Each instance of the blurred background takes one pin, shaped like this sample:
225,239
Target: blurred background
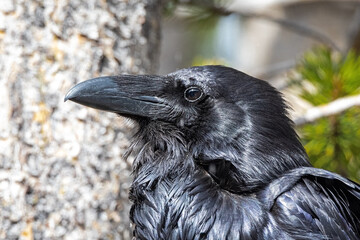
62,172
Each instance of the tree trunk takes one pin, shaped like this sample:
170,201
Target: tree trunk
62,175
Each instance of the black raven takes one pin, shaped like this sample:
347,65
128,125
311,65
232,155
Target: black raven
218,158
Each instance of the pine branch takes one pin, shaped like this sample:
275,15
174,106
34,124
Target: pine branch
332,108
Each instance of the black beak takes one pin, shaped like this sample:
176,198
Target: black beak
126,95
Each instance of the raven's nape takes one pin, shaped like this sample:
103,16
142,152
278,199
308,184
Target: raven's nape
122,95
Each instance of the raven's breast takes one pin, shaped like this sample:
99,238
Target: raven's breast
193,206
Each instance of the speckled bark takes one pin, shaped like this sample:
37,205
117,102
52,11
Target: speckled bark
62,175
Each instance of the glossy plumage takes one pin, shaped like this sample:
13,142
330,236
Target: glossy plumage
227,165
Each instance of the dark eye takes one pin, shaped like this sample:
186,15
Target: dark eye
192,94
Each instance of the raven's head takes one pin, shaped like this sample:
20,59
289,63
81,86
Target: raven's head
231,124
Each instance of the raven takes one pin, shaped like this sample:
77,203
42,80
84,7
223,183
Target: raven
218,158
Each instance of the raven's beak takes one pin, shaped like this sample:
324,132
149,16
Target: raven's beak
126,95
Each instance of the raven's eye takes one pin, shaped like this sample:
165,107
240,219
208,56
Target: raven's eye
192,94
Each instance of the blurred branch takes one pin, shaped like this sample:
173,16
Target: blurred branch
301,29
295,27
335,107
